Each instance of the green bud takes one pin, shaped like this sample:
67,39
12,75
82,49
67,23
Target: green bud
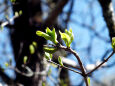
20,12
32,49
65,38
25,59
34,44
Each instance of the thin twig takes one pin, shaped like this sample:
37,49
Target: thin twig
64,67
79,61
77,57
101,63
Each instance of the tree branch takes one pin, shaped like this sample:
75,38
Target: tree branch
79,61
55,12
5,78
108,14
101,63
64,67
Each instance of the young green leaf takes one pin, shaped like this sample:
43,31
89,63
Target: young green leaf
50,49
46,36
70,34
32,49
6,64
48,31
60,61
52,34
89,81
113,43
49,35
25,59
48,56
65,37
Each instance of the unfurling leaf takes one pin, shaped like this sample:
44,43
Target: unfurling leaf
50,49
67,37
60,61
48,31
113,43
46,36
25,59
49,35
52,34
70,35
48,56
32,49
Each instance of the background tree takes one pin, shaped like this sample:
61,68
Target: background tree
34,17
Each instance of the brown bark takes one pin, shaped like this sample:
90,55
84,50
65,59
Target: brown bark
24,33
108,14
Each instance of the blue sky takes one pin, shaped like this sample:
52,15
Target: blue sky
84,37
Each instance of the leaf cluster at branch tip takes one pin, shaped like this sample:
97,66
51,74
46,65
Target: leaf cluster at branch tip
113,43
49,35
67,37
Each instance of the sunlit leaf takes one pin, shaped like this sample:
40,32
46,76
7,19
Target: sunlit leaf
113,43
48,56
89,81
50,49
52,34
49,35
46,36
60,61
48,31
65,38
70,34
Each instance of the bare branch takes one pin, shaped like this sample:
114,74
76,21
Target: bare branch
109,16
55,12
64,67
101,63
